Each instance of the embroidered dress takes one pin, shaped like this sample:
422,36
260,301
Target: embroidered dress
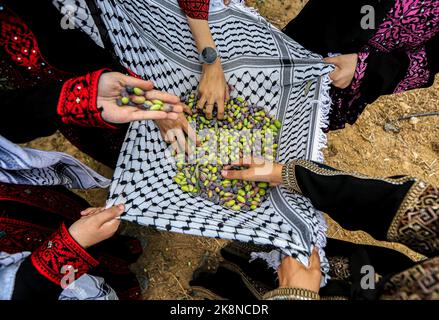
41,66
403,210
399,53
53,94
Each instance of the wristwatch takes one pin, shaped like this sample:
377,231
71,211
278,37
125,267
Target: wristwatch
209,55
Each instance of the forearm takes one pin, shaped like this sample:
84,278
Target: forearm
201,33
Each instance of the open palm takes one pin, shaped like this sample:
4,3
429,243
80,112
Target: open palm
110,86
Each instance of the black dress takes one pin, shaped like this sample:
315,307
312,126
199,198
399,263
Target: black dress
397,209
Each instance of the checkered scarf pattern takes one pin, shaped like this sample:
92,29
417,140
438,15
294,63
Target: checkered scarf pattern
152,39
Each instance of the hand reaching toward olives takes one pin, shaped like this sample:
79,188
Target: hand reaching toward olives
255,169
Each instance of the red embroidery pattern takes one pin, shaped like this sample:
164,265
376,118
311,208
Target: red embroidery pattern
20,44
21,236
44,198
196,9
77,101
61,250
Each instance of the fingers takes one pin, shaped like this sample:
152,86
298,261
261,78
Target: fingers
177,139
209,108
192,135
246,174
163,96
109,214
332,60
201,102
112,225
174,133
89,211
248,161
209,104
179,108
220,106
337,78
227,93
186,109
181,140
172,140
140,83
164,135
335,61
190,132
314,261
236,163
138,115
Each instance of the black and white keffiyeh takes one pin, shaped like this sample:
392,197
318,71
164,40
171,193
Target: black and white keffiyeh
152,38
45,168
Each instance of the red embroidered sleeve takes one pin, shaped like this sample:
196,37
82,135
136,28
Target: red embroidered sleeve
77,102
196,9
59,254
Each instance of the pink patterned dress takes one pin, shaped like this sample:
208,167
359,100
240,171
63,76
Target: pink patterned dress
400,54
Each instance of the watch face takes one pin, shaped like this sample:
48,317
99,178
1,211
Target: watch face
209,55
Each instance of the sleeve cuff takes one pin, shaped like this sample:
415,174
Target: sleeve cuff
59,252
77,104
195,9
360,70
291,294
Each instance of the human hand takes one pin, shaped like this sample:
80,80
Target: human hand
176,131
257,169
213,90
293,274
345,66
96,225
110,86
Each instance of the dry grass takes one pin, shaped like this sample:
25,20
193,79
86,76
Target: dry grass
170,259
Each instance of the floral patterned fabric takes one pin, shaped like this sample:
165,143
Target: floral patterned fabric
407,27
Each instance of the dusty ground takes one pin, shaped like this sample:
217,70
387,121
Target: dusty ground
365,147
